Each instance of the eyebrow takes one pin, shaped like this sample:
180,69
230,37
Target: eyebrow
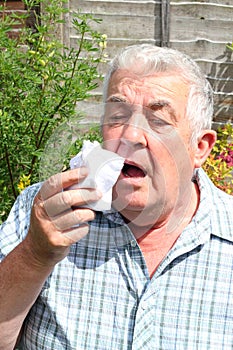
162,104
116,99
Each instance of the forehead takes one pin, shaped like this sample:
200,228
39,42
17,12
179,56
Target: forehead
145,90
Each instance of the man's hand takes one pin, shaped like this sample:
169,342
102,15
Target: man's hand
56,223
57,220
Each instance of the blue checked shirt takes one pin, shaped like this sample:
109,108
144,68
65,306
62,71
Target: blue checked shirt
101,297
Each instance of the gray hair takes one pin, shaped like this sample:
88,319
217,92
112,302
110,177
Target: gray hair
153,59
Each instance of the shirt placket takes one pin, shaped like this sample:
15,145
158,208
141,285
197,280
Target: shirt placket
150,318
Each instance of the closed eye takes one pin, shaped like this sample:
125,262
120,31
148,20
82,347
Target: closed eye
116,119
159,125
117,113
157,121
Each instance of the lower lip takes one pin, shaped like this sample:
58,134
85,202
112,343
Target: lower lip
131,180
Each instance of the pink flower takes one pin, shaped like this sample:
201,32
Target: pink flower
227,156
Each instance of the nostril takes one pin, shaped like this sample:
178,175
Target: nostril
135,143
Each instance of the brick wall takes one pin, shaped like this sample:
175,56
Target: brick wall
13,7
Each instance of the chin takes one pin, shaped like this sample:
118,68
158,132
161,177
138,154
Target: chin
139,220
139,211
130,202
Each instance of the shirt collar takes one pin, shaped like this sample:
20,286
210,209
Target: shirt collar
212,217
217,205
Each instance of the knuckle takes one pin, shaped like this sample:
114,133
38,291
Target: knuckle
52,181
92,214
51,186
58,225
66,199
84,215
38,208
78,215
89,195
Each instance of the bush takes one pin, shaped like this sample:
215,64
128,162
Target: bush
65,143
40,83
219,165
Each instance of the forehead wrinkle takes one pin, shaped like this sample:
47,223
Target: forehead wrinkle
130,90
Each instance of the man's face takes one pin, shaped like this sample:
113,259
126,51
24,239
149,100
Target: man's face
145,123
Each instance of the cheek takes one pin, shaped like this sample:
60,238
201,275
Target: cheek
111,138
172,163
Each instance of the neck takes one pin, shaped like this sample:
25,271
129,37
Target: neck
172,225
156,241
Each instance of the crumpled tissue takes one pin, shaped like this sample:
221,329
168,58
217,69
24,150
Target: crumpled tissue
104,168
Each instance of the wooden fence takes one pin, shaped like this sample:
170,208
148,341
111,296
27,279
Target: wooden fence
199,28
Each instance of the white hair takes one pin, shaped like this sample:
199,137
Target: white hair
147,59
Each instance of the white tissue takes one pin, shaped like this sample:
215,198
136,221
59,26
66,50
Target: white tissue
104,168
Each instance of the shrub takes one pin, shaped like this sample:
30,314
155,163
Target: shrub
41,81
219,165
65,143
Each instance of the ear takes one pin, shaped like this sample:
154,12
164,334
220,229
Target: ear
205,144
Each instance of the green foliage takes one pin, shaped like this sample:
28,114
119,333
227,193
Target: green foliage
40,84
230,46
219,165
93,134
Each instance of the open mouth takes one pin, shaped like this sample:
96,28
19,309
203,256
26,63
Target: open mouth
133,170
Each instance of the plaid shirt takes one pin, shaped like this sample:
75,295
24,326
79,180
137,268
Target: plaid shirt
101,297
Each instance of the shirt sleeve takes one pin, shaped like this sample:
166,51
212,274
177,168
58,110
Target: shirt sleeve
15,228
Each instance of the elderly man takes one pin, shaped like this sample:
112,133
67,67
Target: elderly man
155,272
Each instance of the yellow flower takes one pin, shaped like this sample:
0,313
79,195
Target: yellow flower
103,43
20,186
52,54
24,181
42,62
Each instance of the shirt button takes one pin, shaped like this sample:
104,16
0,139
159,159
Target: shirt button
133,243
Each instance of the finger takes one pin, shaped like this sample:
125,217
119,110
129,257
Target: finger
64,201
59,182
77,233
72,218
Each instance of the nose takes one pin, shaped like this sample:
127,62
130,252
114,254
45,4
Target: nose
134,132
